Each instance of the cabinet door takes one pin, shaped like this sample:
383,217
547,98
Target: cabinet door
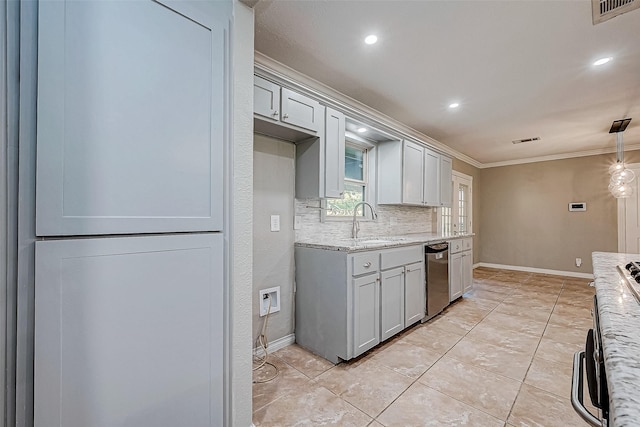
131,122
300,110
128,331
467,271
334,153
366,313
391,302
266,98
431,178
455,276
446,185
413,167
414,288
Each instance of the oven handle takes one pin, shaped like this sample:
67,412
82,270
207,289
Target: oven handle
577,389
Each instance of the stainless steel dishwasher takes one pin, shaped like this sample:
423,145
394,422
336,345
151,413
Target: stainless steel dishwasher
437,278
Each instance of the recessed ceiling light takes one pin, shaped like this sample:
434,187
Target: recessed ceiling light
602,61
454,105
362,130
371,39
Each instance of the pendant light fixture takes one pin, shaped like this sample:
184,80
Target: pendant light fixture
621,177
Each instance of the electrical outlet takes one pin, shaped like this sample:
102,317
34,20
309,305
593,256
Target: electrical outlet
297,222
269,300
578,262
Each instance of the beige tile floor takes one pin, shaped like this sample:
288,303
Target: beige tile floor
500,356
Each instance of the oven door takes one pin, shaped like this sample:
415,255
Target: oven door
588,362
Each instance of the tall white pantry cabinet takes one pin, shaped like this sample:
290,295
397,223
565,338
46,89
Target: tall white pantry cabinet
132,123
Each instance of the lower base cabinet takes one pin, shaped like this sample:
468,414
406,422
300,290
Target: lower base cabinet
460,268
366,319
346,303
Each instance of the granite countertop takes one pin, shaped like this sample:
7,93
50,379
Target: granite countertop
377,242
620,326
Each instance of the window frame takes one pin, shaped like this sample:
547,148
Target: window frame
458,178
369,180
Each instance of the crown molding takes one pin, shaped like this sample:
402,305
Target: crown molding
557,157
351,107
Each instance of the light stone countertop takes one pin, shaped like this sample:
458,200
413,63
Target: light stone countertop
377,242
620,326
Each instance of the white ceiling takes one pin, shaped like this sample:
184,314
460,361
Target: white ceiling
519,69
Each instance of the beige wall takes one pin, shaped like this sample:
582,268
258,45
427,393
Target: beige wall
467,169
273,189
524,214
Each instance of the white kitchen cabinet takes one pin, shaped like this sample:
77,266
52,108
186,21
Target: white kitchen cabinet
320,160
131,117
431,178
348,303
334,146
414,291
412,174
279,104
366,313
392,302
266,99
455,276
445,180
460,267
467,271
128,331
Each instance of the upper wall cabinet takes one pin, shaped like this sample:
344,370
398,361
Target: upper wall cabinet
277,104
320,161
411,174
131,100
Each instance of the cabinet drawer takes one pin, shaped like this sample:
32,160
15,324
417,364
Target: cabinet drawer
456,246
467,244
367,262
401,256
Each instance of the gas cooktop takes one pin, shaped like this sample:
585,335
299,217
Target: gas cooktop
631,274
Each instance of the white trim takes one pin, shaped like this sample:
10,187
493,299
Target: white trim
535,270
556,157
276,345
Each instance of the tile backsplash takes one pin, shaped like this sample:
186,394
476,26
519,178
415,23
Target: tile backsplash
405,219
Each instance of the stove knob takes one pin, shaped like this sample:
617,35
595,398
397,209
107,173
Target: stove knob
637,279
628,266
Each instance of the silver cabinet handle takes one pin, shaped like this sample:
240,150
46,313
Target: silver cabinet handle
275,113
576,391
366,264
285,116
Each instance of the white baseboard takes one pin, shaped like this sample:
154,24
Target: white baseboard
535,270
276,345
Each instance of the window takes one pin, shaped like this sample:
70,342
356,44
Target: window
355,182
457,218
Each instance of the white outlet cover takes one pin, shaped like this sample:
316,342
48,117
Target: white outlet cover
264,302
297,222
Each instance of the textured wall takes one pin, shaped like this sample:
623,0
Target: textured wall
273,190
238,226
525,220
408,219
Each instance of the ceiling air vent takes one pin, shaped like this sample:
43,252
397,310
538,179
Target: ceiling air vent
603,10
520,141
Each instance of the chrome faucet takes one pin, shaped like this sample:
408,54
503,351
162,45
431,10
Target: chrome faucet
355,227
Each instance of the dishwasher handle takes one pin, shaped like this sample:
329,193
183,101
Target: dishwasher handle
436,248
